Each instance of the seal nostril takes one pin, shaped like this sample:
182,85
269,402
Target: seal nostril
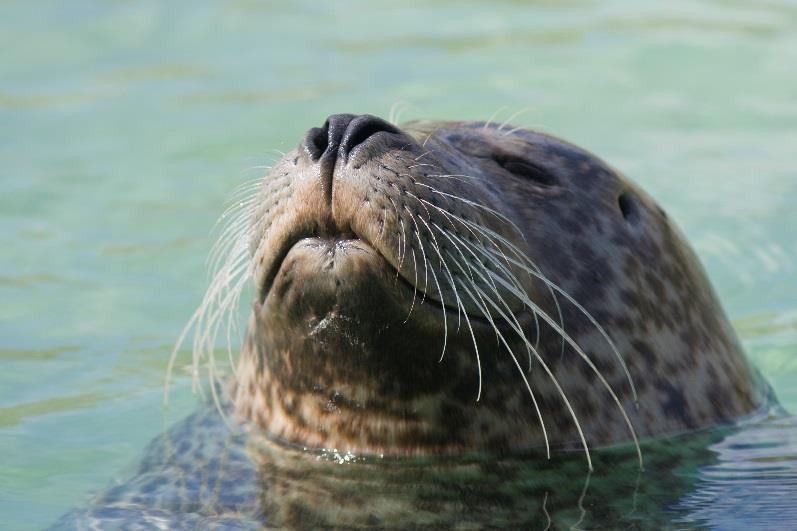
320,142
361,129
363,133
317,142
325,139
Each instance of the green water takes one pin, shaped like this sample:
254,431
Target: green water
124,125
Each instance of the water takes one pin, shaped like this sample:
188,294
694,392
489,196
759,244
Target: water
124,125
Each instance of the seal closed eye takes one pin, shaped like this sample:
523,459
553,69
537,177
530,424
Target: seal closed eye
442,288
527,170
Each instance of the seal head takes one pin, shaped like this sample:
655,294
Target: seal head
451,287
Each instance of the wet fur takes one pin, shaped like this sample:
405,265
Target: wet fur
557,307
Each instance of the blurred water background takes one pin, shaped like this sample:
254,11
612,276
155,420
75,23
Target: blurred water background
125,125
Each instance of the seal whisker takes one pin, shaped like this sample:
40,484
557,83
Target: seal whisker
259,168
397,109
461,311
591,319
232,322
238,232
419,157
391,115
482,229
247,195
491,235
415,267
383,227
448,215
451,236
445,315
494,116
474,204
226,285
214,392
485,311
236,229
224,298
510,276
586,359
514,130
443,262
561,331
475,348
465,260
205,318
512,320
488,280
496,261
483,307
472,227
453,177
251,184
416,232
553,379
234,213
468,225
435,246
423,254
429,136
402,243
517,365
581,502
545,512
462,177
515,115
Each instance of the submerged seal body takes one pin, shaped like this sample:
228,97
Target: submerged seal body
442,290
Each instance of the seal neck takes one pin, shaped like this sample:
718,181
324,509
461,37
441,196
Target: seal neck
343,417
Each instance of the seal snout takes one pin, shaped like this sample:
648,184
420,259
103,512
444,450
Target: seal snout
338,138
340,134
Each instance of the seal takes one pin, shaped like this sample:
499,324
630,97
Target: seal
443,288
438,305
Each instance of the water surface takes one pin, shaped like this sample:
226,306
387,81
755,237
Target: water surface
124,125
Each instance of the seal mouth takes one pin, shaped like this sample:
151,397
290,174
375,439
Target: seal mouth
292,241
349,241
334,241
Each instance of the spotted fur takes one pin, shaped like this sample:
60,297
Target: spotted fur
373,380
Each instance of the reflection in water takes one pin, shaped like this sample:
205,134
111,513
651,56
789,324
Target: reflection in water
200,473
753,483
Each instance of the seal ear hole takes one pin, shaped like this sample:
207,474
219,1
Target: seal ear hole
628,207
526,170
